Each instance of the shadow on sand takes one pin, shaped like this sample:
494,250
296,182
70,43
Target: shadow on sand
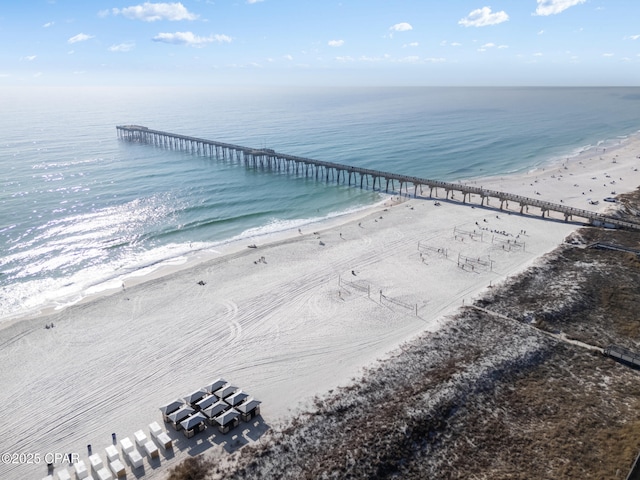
243,434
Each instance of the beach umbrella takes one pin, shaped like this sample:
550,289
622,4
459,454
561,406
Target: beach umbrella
171,407
236,398
224,392
249,405
227,417
195,396
216,409
192,421
206,402
181,414
215,385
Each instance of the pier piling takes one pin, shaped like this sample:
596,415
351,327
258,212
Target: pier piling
268,159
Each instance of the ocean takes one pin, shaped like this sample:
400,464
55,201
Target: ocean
81,210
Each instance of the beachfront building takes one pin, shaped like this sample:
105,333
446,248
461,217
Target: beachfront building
193,424
227,420
249,409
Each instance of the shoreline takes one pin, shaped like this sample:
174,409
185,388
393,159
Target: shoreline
309,318
184,261
511,183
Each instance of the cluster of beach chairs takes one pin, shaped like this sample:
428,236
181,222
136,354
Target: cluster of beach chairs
218,404
114,465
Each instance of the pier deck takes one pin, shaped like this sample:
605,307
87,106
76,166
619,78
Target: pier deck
330,171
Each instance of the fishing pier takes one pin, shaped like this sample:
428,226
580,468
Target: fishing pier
268,159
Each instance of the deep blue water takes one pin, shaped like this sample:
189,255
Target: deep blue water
78,207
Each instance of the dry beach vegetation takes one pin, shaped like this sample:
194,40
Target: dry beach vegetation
490,395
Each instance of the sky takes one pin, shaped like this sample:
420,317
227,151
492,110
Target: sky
321,42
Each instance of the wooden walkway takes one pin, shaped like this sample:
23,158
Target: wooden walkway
268,159
617,248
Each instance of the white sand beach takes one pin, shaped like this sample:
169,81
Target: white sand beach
297,316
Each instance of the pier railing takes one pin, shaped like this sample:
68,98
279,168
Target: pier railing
270,159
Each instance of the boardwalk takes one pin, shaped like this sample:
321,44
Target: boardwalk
268,159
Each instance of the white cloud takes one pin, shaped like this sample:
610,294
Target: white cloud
151,12
634,37
537,54
122,47
540,32
607,54
345,59
48,24
435,60
401,27
335,43
452,44
552,7
288,57
412,44
483,17
254,1
29,58
486,46
188,38
81,37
